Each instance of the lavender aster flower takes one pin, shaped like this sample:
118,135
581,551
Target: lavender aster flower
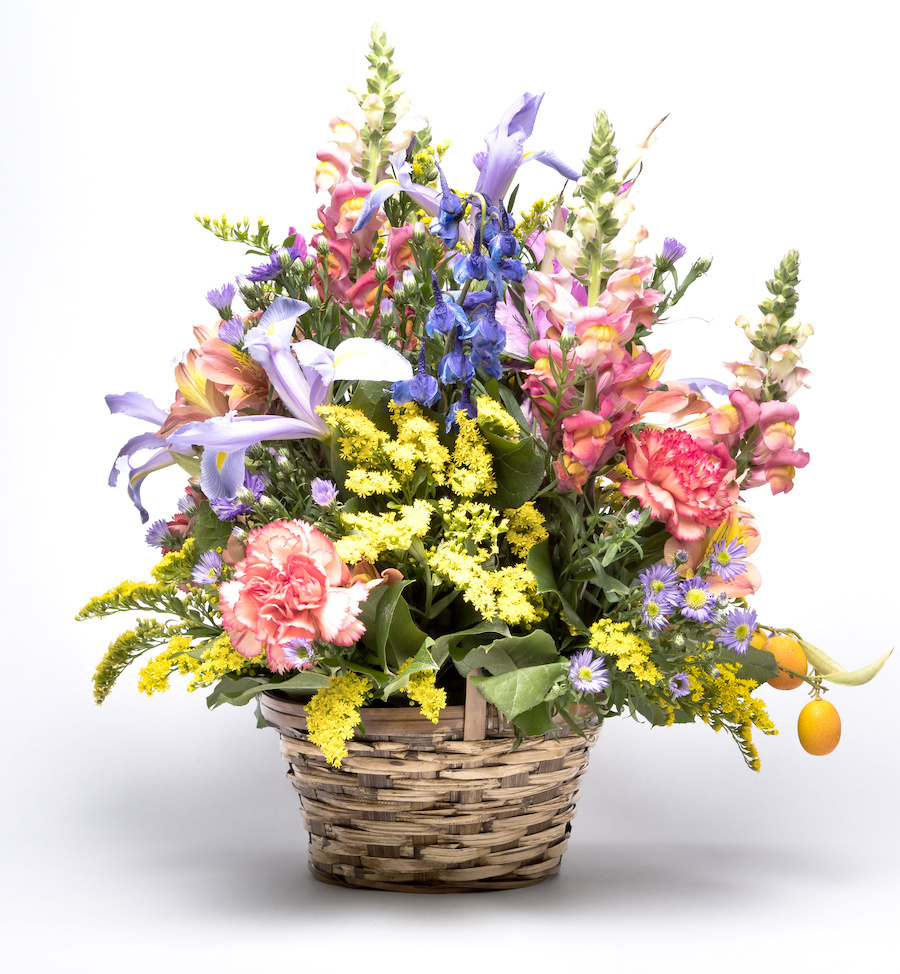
587,674
738,630
157,533
727,559
299,654
656,608
659,577
230,508
633,518
323,492
221,299
679,685
208,569
672,251
695,600
232,332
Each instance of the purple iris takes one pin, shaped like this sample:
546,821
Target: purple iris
505,149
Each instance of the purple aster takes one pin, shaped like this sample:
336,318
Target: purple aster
187,504
229,508
208,569
727,559
157,534
221,299
280,260
633,518
659,577
695,600
323,492
299,654
232,332
656,608
587,674
738,630
679,685
672,250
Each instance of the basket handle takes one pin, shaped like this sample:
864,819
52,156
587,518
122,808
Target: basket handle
475,712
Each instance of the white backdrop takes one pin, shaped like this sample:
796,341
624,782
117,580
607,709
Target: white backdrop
150,834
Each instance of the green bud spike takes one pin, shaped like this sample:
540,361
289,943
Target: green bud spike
783,286
600,164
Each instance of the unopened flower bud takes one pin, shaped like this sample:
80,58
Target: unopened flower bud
311,295
680,557
419,234
381,270
373,109
586,223
323,246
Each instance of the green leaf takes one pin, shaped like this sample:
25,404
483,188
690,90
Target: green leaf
537,721
758,665
518,469
209,532
390,631
423,660
509,653
466,639
835,673
189,464
239,691
515,692
540,565
371,399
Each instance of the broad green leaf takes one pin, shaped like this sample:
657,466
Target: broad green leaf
519,690
758,665
371,399
465,639
537,721
539,564
509,653
390,631
835,673
209,532
239,691
518,469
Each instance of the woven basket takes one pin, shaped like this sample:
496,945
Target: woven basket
434,808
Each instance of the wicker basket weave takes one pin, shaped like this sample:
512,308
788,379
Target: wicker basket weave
425,808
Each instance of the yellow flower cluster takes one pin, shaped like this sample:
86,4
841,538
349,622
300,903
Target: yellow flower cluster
127,595
176,566
333,712
422,691
217,659
507,593
724,699
630,652
378,533
526,528
472,471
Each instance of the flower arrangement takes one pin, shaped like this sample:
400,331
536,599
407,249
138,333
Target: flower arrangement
437,444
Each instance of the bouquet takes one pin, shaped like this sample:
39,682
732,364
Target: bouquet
435,442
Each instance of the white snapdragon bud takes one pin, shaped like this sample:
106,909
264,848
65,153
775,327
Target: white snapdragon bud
565,249
621,211
373,109
586,224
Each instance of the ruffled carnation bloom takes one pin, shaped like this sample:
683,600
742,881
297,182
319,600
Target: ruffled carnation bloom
291,585
686,482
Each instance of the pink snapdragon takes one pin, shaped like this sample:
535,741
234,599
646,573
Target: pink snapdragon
290,585
687,482
625,291
776,458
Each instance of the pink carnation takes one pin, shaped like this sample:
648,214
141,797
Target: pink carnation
687,482
290,585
